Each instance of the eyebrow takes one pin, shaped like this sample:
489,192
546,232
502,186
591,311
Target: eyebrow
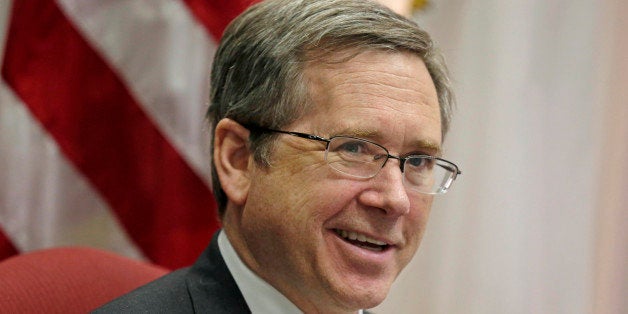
430,147
433,148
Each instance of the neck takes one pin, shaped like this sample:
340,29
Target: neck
302,298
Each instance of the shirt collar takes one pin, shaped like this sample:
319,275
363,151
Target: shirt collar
260,296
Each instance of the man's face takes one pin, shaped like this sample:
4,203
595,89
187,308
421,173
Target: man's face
299,208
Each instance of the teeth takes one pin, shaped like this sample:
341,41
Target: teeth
362,238
358,236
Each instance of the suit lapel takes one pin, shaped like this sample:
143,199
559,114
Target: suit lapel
211,286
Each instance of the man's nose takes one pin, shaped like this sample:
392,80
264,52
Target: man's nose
389,192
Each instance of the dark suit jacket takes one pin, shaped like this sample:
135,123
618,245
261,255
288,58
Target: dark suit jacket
206,287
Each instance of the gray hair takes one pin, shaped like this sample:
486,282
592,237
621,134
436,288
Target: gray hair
257,75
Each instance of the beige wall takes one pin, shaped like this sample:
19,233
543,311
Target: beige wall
611,270
403,7
538,221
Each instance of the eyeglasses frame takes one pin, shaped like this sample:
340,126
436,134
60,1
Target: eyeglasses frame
402,160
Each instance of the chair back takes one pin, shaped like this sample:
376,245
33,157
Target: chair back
69,280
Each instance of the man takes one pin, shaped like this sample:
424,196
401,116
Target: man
328,119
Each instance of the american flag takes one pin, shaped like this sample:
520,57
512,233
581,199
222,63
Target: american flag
103,140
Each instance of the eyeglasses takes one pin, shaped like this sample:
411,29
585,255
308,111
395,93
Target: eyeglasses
362,158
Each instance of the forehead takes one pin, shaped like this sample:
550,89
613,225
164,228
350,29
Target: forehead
375,94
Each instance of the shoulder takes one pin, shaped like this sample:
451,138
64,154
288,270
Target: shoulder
168,294
206,287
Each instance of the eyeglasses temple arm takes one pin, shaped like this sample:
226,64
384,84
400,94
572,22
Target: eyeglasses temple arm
256,128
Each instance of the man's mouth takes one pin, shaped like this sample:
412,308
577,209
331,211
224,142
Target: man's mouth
362,240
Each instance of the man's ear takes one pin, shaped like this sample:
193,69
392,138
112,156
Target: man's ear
231,157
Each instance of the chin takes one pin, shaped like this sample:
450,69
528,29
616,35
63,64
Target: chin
364,296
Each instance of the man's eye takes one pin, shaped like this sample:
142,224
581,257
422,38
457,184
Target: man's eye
418,162
353,147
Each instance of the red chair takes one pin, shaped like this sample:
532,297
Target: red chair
69,280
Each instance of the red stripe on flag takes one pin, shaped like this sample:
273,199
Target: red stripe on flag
165,207
7,249
215,15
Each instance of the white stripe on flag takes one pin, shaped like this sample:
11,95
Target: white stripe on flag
164,56
44,201
5,11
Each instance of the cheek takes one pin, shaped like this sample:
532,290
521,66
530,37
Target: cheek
292,201
312,187
416,223
424,207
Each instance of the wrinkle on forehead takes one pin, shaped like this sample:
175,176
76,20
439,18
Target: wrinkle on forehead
362,76
372,93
